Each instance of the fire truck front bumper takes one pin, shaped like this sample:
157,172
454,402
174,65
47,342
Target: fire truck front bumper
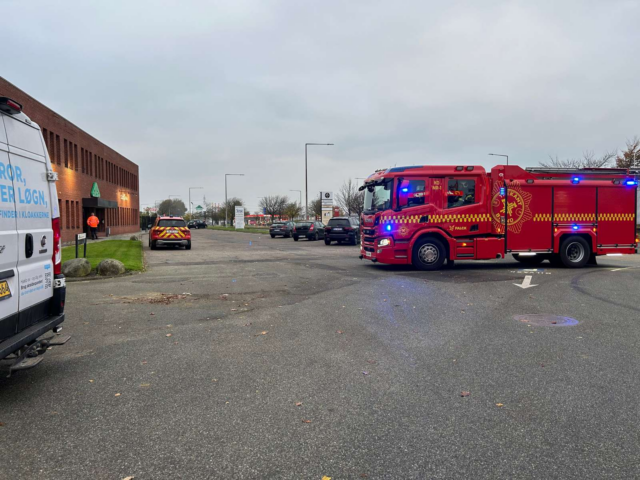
388,255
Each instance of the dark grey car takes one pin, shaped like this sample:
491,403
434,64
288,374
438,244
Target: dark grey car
281,228
342,229
308,230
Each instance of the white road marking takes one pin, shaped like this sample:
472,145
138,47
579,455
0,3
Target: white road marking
526,283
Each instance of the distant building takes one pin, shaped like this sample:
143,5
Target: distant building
91,176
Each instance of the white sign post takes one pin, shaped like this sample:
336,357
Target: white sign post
239,218
327,206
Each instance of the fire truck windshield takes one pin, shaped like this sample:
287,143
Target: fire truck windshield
378,197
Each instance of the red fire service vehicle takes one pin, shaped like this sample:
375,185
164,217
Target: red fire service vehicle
424,215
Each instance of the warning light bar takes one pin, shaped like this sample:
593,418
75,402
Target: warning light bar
10,106
631,183
575,180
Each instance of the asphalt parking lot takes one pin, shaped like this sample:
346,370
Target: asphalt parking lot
251,357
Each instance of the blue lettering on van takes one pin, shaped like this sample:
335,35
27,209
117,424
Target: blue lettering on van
32,197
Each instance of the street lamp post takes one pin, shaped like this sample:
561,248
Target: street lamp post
500,155
191,209
306,179
226,207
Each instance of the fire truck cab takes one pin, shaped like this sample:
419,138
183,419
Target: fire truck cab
424,215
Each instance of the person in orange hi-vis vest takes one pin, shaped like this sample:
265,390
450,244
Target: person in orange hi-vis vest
93,223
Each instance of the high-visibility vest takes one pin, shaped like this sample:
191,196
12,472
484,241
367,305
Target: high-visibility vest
93,221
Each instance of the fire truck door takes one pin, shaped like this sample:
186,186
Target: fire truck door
616,216
528,211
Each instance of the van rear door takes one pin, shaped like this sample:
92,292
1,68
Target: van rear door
9,291
33,219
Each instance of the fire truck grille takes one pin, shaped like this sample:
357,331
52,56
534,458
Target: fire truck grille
369,239
368,231
369,249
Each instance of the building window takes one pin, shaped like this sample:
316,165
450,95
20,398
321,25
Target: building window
52,146
66,207
75,156
60,211
77,214
66,154
58,149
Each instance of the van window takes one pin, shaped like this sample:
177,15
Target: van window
460,192
23,136
172,222
412,193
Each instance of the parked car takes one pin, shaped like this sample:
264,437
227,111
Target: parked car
342,229
197,224
308,230
170,231
281,228
32,286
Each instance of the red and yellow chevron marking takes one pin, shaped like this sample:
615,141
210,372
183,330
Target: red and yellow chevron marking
163,232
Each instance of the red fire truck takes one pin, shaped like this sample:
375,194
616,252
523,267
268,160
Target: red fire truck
424,215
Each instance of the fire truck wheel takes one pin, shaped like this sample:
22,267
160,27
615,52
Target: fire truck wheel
152,245
529,260
575,252
428,254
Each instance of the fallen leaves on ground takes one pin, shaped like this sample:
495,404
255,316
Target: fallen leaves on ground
465,394
145,384
499,404
117,395
1,424
306,421
326,478
339,331
90,381
298,404
365,373
169,334
234,309
128,478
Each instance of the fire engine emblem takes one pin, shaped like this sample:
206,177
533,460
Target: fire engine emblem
516,206
404,231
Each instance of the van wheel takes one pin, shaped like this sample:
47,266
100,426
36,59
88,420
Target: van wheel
575,252
152,245
529,260
428,254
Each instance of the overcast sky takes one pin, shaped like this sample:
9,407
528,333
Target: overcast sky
190,90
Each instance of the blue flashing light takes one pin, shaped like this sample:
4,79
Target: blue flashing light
575,227
503,191
631,183
575,180
405,190
388,227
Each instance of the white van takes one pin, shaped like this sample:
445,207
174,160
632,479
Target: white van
32,287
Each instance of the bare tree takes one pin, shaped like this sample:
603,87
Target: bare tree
274,205
588,160
630,158
349,199
315,207
292,210
228,209
172,206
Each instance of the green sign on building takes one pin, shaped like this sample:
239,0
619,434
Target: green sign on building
95,191
199,208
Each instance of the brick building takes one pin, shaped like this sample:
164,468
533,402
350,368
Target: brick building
82,161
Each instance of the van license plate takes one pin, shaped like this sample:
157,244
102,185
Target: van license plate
5,292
